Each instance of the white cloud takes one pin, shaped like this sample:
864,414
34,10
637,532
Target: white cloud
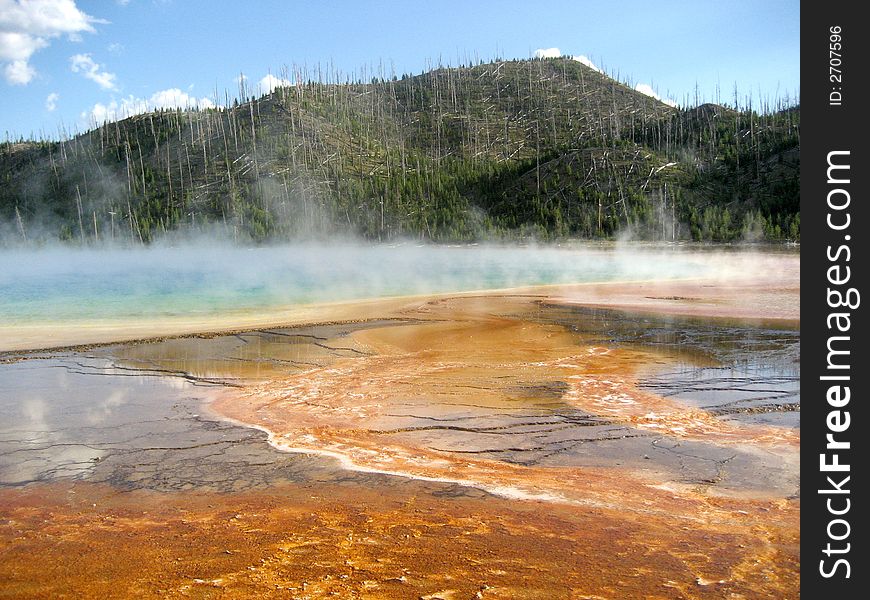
585,61
44,17
51,101
18,72
19,46
127,107
548,53
175,98
270,82
645,88
102,113
27,26
84,64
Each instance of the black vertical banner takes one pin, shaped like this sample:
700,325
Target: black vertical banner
835,422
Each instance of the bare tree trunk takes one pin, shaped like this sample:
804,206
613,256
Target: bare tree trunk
79,207
20,224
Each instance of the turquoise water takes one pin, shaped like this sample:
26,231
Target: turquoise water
68,285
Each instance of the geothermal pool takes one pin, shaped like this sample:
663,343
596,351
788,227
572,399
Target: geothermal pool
629,430
64,285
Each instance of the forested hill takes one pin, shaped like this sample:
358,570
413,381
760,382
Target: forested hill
545,148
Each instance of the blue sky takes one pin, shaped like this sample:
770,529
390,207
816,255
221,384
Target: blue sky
64,63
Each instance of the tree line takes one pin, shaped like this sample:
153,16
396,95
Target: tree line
547,148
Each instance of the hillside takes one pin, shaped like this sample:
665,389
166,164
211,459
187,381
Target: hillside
544,148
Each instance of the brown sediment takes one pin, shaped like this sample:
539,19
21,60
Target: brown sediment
350,542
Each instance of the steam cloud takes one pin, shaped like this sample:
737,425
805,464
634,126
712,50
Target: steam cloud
63,284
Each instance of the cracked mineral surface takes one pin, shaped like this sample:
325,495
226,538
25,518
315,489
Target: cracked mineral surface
512,445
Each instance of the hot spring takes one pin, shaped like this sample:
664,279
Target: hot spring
69,285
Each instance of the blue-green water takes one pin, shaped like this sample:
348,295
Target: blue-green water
67,285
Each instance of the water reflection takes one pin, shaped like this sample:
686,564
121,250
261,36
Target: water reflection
132,414
731,369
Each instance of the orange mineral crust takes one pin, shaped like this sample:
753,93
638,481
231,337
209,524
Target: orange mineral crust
346,541
465,388
434,400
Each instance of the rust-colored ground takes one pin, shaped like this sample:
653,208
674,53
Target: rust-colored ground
347,542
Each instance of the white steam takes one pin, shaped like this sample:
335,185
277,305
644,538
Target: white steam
62,284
